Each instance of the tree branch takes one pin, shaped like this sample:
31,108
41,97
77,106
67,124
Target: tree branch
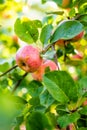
9,70
46,48
19,82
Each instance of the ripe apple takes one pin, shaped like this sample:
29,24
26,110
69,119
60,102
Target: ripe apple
40,72
78,37
78,56
28,58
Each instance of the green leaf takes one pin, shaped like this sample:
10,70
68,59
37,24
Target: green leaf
82,85
46,99
4,65
2,1
67,119
83,18
54,89
61,86
49,54
62,109
38,121
72,12
37,23
67,30
17,128
26,30
46,33
69,49
83,111
56,12
35,88
34,101
82,128
38,108
44,1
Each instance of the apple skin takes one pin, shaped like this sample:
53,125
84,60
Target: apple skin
40,72
78,56
28,58
78,37
60,42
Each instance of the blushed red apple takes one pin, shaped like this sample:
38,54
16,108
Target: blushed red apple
40,72
78,56
28,58
78,37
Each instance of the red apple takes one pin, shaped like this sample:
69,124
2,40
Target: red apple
78,56
28,58
78,37
40,72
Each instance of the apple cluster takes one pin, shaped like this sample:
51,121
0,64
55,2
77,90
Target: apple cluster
28,59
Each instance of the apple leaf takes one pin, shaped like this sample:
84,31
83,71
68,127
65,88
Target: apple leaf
82,85
67,119
46,33
4,65
67,30
82,128
37,23
26,30
38,121
83,111
61,86
35,88
46,99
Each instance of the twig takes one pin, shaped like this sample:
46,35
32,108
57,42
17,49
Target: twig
18,82
46,48
65,56
9,70
55,56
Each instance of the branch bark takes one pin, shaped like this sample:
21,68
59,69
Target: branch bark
9,70
19,82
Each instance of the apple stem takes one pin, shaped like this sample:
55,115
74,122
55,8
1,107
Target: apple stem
19,82
65,56
9,70
55,56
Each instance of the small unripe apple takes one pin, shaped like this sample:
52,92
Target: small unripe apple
28,58
78,37
38,75
64,3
